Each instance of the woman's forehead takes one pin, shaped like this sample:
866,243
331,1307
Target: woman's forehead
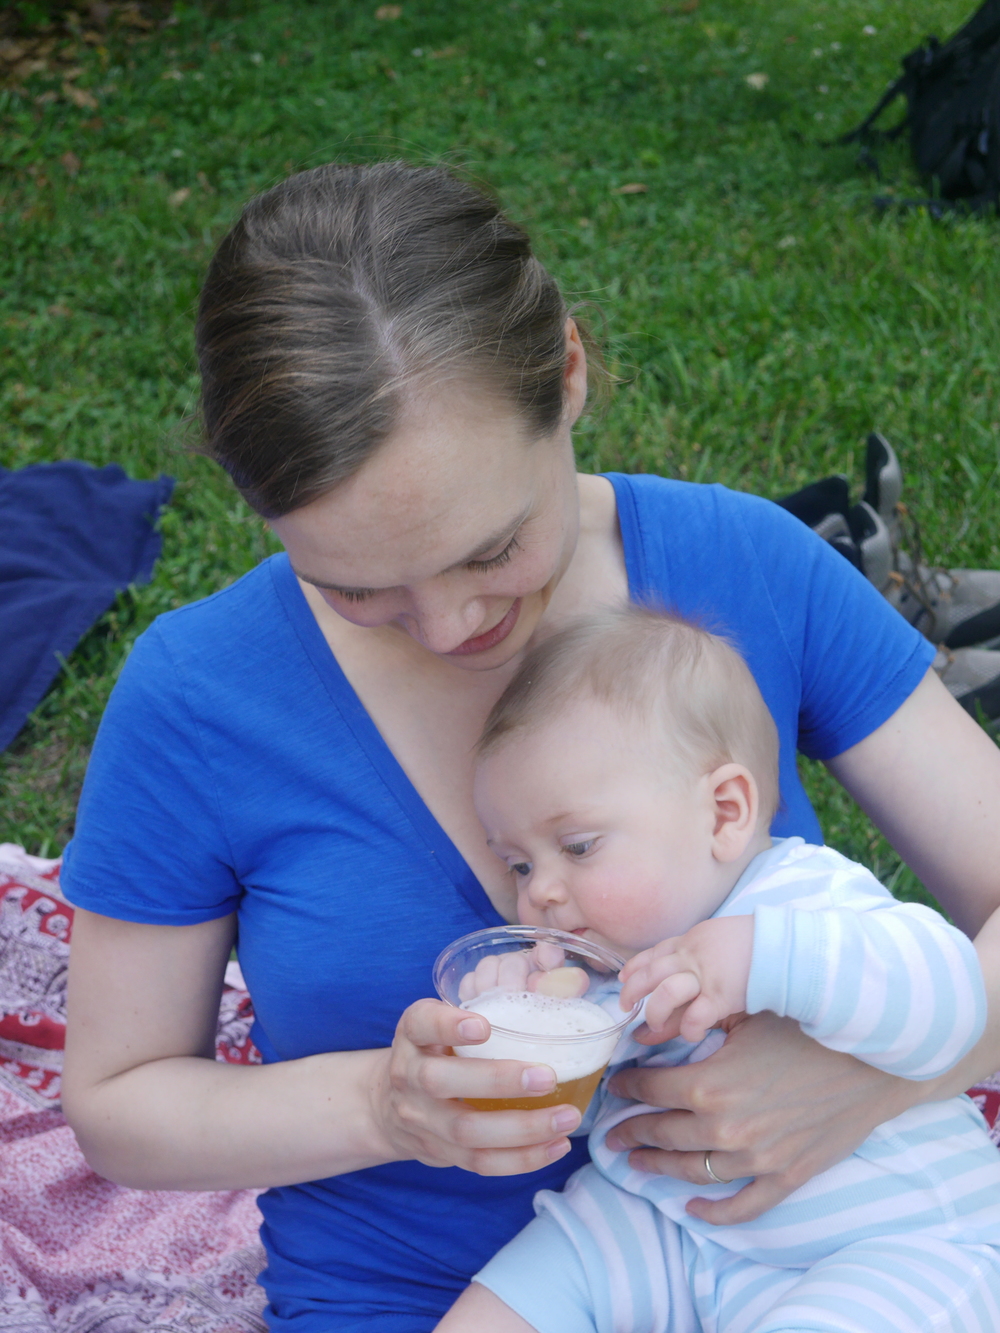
456,476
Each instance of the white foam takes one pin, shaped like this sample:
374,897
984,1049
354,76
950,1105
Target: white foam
538,1017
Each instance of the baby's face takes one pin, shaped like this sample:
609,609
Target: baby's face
601,839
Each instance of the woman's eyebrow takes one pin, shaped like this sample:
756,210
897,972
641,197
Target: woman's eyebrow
503,537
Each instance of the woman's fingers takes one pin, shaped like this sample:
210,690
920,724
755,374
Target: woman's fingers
672,1132
746,1204
423,1116
659,1087
446,1077
434,1024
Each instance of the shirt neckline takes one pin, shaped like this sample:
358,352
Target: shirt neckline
372,744
371,741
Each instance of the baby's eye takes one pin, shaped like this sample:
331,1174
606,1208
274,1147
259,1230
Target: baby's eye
579,848
521,868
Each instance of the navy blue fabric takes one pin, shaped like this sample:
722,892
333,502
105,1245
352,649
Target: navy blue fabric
236,770
71,537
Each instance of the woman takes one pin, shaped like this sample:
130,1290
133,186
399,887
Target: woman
391,379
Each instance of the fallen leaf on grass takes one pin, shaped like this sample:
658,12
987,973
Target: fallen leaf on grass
131,17
59,311
633,187
757,81
445,53
385,12
179,196
80,97
71,164
205,183
171,74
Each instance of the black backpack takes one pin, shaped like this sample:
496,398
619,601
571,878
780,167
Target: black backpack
952,93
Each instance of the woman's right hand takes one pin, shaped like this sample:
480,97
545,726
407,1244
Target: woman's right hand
416,1101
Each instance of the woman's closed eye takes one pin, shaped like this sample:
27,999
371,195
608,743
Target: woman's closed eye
495,561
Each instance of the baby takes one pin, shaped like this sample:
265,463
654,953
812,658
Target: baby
628,777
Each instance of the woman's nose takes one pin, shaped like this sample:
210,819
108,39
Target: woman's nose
443,617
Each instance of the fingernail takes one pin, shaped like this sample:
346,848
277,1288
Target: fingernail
472,1029
566,1119
614,1142
556,1150
539,1078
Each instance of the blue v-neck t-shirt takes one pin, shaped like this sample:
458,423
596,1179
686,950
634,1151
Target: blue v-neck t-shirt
236,771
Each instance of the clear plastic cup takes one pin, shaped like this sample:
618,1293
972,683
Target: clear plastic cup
550,999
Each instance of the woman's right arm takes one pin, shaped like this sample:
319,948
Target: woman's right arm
153,1109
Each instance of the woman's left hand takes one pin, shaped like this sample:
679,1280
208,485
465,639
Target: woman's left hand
771,1103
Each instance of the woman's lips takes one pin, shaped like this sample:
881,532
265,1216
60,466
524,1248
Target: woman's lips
492,636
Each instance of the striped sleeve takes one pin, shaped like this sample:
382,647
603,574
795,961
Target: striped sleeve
891,983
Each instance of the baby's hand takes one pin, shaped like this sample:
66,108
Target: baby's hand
706,970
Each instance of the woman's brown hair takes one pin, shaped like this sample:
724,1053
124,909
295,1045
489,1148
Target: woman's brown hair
341,287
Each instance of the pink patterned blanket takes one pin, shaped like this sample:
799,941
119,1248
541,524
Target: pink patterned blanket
77,1253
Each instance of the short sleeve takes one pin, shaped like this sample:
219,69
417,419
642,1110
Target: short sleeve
858,659
149,843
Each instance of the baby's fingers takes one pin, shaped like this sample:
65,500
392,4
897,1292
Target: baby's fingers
638,982
669,995
702,1014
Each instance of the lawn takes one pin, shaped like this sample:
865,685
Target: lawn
761,315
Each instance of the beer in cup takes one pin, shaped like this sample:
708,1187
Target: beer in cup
550,999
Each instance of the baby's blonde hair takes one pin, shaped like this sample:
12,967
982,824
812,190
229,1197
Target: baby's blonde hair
688,683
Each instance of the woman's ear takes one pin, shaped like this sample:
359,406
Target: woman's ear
737,807
575,374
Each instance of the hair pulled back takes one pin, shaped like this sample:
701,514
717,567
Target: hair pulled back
342,287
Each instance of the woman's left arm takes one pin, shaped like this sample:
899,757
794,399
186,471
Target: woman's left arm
929,777
774,1105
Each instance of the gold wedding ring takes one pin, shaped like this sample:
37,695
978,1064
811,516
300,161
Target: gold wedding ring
711,1174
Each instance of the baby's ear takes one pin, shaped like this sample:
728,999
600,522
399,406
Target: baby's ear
737,806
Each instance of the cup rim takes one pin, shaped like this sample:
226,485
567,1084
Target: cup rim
548,935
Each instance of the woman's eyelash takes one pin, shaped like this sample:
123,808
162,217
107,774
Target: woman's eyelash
357,594
479,566
579,848
482,566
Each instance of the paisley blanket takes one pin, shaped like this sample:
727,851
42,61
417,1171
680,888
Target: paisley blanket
77,1253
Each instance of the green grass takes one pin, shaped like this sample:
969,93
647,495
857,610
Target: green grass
762,315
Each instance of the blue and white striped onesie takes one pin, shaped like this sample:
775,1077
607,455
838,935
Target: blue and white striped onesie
902,1236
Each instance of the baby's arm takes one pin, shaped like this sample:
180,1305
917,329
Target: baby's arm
890,983
478,1310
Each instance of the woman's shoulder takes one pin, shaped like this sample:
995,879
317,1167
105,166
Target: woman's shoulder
710,506
220,627
706,537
